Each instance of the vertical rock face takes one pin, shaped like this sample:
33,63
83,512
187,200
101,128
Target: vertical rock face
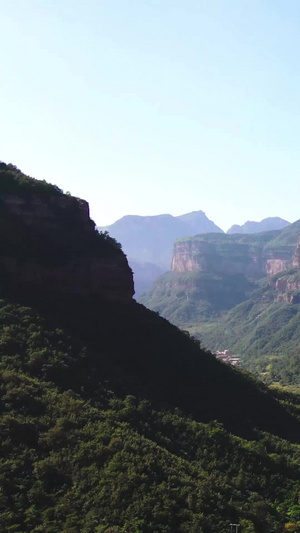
50,244
209,257
296,259
275,266
190,256
225,254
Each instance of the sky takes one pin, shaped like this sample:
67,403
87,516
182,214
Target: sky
156,106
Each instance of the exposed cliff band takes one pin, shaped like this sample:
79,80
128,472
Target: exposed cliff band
227,255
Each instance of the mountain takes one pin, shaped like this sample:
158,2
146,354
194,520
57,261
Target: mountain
148,241
265,329
238,292
214,272
267,224
112,419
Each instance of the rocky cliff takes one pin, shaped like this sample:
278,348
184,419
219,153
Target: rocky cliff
231,254
296,258
50,244
215,272
287,286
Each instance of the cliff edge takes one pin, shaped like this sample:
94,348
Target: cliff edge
50,244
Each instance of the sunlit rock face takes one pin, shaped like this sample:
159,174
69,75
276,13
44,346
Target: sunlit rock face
232,257
296,259
275,266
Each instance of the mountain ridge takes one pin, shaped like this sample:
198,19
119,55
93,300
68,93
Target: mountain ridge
267,224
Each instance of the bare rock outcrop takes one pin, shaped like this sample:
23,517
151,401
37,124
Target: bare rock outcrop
275,266
296,259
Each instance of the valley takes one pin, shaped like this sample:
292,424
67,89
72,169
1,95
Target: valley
238,292
113,419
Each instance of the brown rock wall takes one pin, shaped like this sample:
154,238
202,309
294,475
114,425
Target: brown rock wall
296,259
234,258
275,266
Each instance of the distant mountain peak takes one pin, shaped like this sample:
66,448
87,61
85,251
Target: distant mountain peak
267,224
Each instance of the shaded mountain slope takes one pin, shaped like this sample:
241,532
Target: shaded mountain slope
69,464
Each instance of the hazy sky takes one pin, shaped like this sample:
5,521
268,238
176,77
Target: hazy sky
156,106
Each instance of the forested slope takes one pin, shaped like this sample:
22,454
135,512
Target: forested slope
72,465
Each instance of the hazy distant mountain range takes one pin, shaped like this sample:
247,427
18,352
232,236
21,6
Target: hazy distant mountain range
267,224
148,240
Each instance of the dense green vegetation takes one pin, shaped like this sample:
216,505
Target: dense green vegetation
189,298
255,328
69,464
12,180
286,238
254,240
281,241
264,332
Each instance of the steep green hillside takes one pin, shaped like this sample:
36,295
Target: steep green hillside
264,332
189,298
286,238
72,465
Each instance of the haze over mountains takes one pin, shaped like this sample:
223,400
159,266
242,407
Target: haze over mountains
267,224
148,240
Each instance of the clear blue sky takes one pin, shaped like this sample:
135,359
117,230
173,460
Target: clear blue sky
156,106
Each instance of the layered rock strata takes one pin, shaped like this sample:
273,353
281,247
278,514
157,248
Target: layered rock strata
230,258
